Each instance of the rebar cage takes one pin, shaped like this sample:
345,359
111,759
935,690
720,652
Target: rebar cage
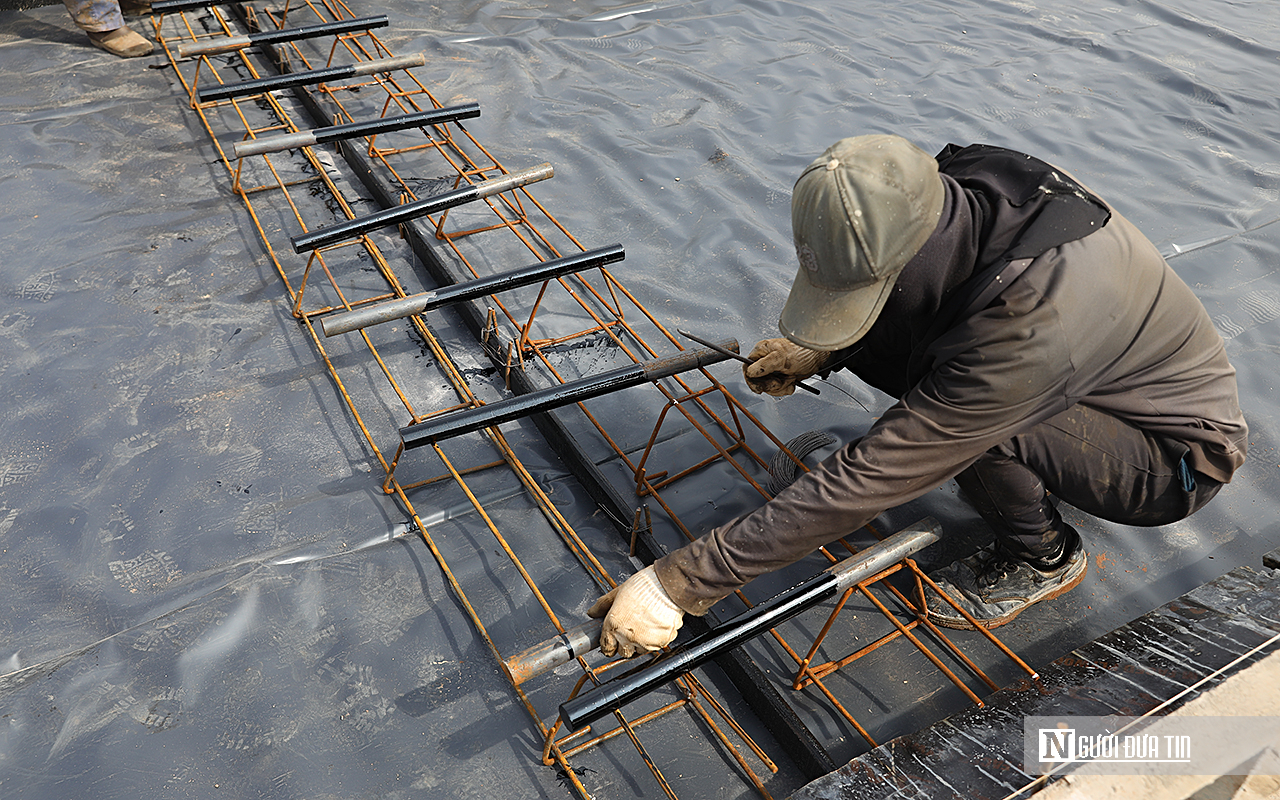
404,372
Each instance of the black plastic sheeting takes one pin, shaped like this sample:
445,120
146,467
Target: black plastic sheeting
199,598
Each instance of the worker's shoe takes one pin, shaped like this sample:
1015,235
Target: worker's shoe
122,42
994,585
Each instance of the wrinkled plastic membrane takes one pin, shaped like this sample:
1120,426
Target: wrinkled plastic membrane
203,590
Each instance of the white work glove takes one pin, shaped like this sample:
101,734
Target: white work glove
639,616
777,365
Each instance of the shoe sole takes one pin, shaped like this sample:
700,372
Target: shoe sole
962,624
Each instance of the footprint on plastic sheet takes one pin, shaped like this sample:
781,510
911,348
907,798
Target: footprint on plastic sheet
1226,328
150,570
18,470
39,288
163,712
1263,306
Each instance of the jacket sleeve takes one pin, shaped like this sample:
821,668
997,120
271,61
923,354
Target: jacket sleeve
997,374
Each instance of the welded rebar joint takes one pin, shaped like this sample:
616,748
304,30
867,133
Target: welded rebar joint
470,290
352,130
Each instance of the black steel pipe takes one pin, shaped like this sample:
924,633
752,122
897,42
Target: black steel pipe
473,419
610,696
352,130
226,44
165,6
419,208
457,293
261,85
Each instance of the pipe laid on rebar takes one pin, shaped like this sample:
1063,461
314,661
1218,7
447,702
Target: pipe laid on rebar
409,211
613,695
352,130
470,290
226,44
166,6
457,423
309,77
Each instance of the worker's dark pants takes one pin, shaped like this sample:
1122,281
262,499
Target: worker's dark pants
1095,462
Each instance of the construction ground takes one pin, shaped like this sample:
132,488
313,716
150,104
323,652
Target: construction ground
226,575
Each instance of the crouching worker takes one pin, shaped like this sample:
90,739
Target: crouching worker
1037,345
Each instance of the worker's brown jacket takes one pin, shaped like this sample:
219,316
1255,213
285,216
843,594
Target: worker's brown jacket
1100,320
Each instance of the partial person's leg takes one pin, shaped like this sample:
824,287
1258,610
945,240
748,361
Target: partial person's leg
1097,463
1093,461
104,23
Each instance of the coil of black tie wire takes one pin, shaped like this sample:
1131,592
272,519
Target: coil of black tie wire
782,469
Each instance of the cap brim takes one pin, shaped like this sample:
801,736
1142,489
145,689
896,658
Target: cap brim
821,319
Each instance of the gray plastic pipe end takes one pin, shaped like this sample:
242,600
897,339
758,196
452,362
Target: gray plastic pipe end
515,179
389,64
274,144
220,45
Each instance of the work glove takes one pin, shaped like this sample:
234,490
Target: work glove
639,616
777,365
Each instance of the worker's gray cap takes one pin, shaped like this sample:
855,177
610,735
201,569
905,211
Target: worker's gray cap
859,213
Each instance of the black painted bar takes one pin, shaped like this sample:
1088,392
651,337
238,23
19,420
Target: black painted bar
418,208
470,290
352,130
224,44
166,6
457,423
307,78
759,619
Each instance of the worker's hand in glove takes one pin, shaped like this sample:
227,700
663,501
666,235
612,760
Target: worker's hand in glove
639,616
777,365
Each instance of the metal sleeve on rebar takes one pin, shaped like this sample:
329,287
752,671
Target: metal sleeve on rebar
426,301
226,44
514,180
759,619
210,46
457,423
274,144
556,651
410,211
389,64
350,130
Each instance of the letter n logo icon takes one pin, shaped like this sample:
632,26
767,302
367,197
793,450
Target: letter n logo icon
1057,744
